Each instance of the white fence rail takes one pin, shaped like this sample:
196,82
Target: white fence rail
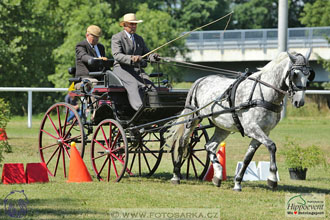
30,90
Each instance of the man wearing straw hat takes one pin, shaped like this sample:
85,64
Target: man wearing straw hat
127,50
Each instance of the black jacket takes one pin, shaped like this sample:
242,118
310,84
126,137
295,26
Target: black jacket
84,52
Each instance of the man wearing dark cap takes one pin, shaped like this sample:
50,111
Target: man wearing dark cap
88,49
127,50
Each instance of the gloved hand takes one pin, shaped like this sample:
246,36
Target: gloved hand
136,59
143,64
154,57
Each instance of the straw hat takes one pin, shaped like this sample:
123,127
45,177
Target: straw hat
94,30
131,18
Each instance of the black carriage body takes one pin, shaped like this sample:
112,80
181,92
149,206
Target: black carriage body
157,105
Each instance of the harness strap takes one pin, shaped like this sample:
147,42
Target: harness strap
261,103
231,100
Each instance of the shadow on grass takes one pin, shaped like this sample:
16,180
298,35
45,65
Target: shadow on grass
294,188
57,209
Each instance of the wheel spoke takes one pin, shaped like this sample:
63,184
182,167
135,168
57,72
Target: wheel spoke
114,166
198,160
103,165
98,157
66,150
78,137
105,138
66,118
145,158
52,145
109,169
52,155
133,161
50,119
59,120
64,168
58,158
115,141
194,167
188,167
96,141
49,134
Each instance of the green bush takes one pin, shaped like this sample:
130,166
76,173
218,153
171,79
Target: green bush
4,119
300,158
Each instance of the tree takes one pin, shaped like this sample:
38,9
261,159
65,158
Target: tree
317,14
256,14
27,37
75,18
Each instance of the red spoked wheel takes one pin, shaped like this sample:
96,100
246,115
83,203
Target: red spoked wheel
109,152
197,162
147,154
56,134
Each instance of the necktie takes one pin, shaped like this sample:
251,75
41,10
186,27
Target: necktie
132,38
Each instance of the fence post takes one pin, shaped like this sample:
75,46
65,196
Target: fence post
30,109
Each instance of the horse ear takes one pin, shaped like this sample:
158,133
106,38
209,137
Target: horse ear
292,58
308,54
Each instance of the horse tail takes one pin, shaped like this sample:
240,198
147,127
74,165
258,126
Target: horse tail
175,133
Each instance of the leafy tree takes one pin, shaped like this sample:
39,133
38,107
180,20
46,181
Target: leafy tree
4,119
156,35
75,18
314,15
27,38
256,14
317,14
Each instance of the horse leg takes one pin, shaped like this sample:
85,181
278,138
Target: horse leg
211,147
258,134
254,145
182,148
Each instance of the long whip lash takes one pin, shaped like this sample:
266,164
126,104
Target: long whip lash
147,54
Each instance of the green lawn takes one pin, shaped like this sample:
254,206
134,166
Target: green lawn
61,200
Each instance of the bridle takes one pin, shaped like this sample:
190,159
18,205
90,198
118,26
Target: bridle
305,69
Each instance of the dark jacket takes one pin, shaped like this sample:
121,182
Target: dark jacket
84,52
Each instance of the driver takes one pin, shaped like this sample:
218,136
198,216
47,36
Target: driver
127,49
88,49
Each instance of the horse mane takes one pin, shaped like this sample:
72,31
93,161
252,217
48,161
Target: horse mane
276,63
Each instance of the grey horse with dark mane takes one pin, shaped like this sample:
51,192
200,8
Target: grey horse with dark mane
250,105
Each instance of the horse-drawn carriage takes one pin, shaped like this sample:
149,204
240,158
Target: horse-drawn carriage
124,141
107,125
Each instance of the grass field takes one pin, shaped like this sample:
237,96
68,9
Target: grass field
61,200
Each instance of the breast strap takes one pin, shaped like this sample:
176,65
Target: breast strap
231,92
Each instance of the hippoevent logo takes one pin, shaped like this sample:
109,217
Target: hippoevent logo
305,205
16,204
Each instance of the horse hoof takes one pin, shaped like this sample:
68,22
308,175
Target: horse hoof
175,181
272,184
237,189
216,181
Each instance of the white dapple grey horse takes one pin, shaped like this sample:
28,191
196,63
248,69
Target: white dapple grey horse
253,108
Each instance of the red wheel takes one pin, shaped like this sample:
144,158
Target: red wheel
56,134
109,151
147,154
197,162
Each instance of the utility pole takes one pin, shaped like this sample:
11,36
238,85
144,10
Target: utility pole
282,37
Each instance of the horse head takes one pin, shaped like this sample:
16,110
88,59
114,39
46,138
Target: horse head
298,75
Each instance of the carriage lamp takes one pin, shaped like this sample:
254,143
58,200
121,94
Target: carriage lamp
86,87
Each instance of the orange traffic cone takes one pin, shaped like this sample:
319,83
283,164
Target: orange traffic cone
77,171
221,155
